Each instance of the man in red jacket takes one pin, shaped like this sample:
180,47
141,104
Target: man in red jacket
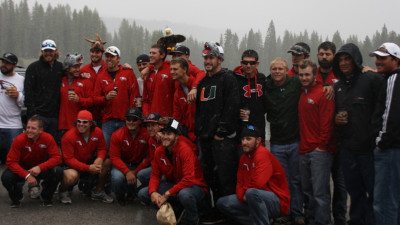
183,52
128,149
316,126
33,156
262,190
84,153
158,87
184,111
177,162
115,91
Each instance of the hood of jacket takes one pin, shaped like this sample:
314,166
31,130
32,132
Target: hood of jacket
354,52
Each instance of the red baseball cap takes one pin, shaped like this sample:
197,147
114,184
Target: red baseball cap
85,115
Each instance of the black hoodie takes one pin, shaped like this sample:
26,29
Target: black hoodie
358,96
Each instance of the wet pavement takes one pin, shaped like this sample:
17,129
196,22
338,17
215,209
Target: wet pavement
82,211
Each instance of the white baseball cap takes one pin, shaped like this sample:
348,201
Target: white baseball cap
49,44
387,49
113,51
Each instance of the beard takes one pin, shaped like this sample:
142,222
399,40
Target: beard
5,71
325,64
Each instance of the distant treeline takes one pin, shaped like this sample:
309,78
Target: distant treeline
22,29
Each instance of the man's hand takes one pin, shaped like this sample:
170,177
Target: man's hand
341,118
94,168
12,92
126,66
130,177
155,196
31,180
218,138
191,97
35,171
329,92
162,200
367,69
73,97
145,73
111,95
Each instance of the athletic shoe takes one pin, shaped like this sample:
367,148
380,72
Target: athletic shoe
47,203
15,204
102,196
65,197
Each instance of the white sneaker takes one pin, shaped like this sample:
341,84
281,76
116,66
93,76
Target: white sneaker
102,196
65,197
34,192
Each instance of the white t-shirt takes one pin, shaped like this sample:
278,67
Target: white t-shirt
10,108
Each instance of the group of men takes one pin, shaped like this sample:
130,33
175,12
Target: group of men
196,138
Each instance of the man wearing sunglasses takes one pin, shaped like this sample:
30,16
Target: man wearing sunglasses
42,87
262,191
128,149
84,153
142,62
183,52
251,88
11,101
299,51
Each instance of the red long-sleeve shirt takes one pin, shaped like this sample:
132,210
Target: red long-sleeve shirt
77,153
196,73
291,72
153,145
261,170
184,170
184,112
315,120
26,153
69,109
124,149
330,79
158,91
128,90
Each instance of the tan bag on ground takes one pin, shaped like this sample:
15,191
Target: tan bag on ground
166,215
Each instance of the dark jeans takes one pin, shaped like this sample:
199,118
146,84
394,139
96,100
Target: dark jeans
7,135
189,198
315,169
219,161
288,156
119,185
109,127
339,198
14,183
358,170
387,186
259,208
50,125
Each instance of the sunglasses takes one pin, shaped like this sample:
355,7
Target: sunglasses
48,45
82,121
131,119
244,62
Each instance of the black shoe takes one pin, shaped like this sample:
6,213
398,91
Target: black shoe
212,218
121,201
47,203
15,204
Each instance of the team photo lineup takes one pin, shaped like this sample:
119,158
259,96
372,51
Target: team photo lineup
313,143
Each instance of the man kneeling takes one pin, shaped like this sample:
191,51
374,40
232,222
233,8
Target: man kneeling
262,191
84,152
184,182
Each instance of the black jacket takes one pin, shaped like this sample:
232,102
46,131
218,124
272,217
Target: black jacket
42,88
252,97
282,104
217,105
388,131
358,96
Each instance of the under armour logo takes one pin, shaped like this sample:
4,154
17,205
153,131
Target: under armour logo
211,94
249,91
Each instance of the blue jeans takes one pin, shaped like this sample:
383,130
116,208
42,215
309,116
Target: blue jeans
119,185
358,171
189,198
259,208
50,125
288,156
315,170
144,176
7,135
109,127
387,186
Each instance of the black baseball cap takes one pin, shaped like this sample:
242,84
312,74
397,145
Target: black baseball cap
172,126
152,117
250,131
182,49
10,58
134,112
142,58
300,48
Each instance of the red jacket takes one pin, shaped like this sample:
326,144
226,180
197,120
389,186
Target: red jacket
69,109
291,72
330,79
77,153
261,170
184,170
184,112
152,146
89,73
128,90
25,154
158,92
315,120
124,149
196,73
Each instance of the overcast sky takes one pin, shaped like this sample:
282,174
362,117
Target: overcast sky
325,17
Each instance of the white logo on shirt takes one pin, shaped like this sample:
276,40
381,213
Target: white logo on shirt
310,101
42,146
122,79
94,139
126,142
